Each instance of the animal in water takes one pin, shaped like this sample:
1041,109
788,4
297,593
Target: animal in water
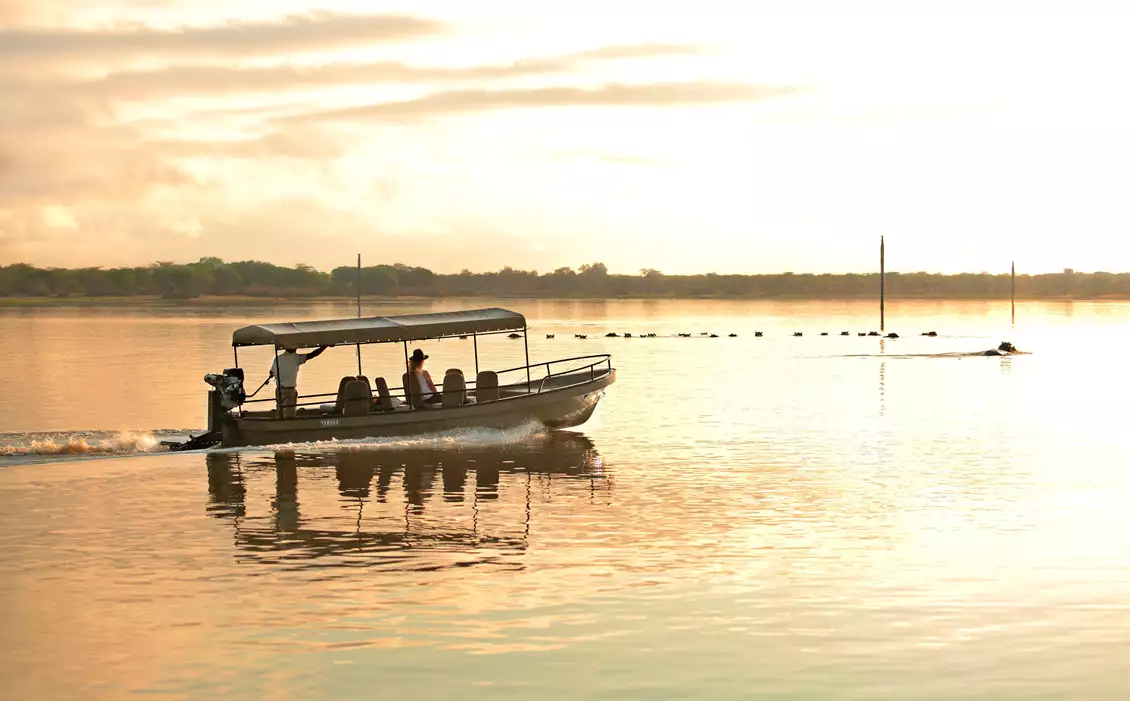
892,335
703,333
798,334
758,334
1005,348
684,335
549,335
515,335
733,335
651,335
861,333
872,333
931,334
714,335
823,333
845,333
612,334
580,335
627,335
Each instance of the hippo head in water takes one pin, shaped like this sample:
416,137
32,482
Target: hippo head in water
1006,347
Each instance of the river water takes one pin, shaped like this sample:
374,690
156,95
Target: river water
777,517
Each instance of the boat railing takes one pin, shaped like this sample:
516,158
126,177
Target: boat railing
589,367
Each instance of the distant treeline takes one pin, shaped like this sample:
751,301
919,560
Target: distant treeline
214,277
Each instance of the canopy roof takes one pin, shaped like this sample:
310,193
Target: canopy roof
378,329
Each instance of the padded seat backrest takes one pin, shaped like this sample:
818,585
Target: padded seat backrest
454,389
339,404
358,398
486,387
368,385
384,397
460,373
412,395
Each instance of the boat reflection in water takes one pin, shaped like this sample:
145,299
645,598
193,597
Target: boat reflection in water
418,507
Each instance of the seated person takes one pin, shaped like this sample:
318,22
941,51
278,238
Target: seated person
423,378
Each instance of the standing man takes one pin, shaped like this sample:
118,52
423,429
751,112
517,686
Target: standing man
285,372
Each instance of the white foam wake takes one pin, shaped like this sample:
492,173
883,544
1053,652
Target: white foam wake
78,443
453,440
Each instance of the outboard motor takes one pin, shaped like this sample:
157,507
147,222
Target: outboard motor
229,385
226,394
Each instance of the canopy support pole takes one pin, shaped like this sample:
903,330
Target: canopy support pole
408,374
359,373
475,338
278,391
235,354
526,343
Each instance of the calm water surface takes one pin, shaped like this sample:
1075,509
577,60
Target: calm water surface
777,517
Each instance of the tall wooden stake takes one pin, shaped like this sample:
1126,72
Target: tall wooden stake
882,284
1014,293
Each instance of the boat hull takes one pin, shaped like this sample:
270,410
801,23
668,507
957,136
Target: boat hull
560,407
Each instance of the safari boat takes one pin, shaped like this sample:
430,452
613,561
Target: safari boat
556,394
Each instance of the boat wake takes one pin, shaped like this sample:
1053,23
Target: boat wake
450,440
961,354
32,448
42,447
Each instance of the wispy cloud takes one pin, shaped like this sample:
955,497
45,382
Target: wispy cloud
296,33
99,139
609,95
214,79
627,159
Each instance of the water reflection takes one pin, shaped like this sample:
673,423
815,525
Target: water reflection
883,388
362,523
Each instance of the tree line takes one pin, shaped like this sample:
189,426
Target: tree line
214,277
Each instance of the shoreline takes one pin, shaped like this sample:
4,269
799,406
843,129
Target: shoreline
17,302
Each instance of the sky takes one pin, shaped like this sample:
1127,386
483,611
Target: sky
746,136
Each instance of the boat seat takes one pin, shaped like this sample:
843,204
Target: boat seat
384,397
368,385
460,373
339,404
357,398
454,389
412,395
486,387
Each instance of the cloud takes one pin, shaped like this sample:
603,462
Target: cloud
608,157
288,232
120,161
637,51
609,95
303,144
218,79
316,31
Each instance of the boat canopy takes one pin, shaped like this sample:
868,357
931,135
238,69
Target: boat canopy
379,329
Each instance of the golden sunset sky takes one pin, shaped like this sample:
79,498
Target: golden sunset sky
753,136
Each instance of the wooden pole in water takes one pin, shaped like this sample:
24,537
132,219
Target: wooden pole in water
882,284
359,373
1014,293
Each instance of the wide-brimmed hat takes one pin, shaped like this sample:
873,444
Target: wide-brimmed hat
418,355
